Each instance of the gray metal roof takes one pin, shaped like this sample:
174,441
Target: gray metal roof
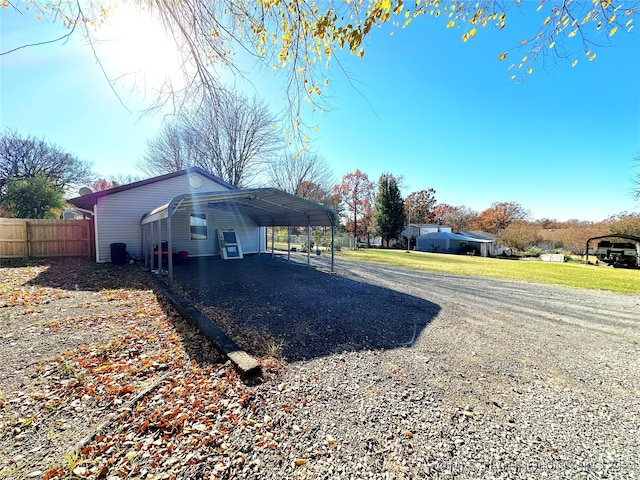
265,206
479,234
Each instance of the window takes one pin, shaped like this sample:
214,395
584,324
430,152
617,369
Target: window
198,225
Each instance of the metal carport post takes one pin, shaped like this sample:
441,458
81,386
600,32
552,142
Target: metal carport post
169,250
150,251
273,233
333,229
289,243
160,248
308,244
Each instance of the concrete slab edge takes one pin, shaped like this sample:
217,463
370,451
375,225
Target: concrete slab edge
245,364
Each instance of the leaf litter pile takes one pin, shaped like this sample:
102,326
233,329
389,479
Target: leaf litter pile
101,379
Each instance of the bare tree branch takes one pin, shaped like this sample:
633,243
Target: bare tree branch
229,135
26,157
64,38
300,39
305,174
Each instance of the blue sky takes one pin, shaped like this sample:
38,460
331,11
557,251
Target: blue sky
421,104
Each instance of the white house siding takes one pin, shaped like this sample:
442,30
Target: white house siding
118,215
246,230
247,233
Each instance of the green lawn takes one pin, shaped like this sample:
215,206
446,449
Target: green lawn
570,274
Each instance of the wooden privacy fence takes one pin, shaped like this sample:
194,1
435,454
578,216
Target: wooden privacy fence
25,238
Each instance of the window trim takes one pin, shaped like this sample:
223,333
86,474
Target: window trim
194,235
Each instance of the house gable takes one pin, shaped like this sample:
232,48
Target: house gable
88,201
117,212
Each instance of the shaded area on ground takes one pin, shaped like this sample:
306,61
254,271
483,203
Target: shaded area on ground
302,312
80,274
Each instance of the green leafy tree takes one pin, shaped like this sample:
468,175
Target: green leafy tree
388,214
32,197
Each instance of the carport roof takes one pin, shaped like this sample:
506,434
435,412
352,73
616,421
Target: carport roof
265,206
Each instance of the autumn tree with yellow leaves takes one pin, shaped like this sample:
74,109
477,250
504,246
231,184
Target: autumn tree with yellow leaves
301,38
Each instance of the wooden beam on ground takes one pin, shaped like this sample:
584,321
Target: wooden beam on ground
246,365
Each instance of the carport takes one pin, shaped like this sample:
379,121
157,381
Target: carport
631,238
266,207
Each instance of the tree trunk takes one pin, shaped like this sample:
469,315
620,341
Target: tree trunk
355,228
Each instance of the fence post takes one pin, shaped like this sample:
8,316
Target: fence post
26,240
87,227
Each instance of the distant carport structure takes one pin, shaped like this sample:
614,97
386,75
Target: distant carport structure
632,238
266,207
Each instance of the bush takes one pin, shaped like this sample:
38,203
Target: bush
401,244
32,197
509,255
532,252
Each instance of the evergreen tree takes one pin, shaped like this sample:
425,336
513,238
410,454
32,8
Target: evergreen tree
389,216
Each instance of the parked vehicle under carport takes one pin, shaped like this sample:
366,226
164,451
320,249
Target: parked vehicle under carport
617,254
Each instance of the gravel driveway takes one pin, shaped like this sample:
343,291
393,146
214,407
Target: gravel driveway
393,373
